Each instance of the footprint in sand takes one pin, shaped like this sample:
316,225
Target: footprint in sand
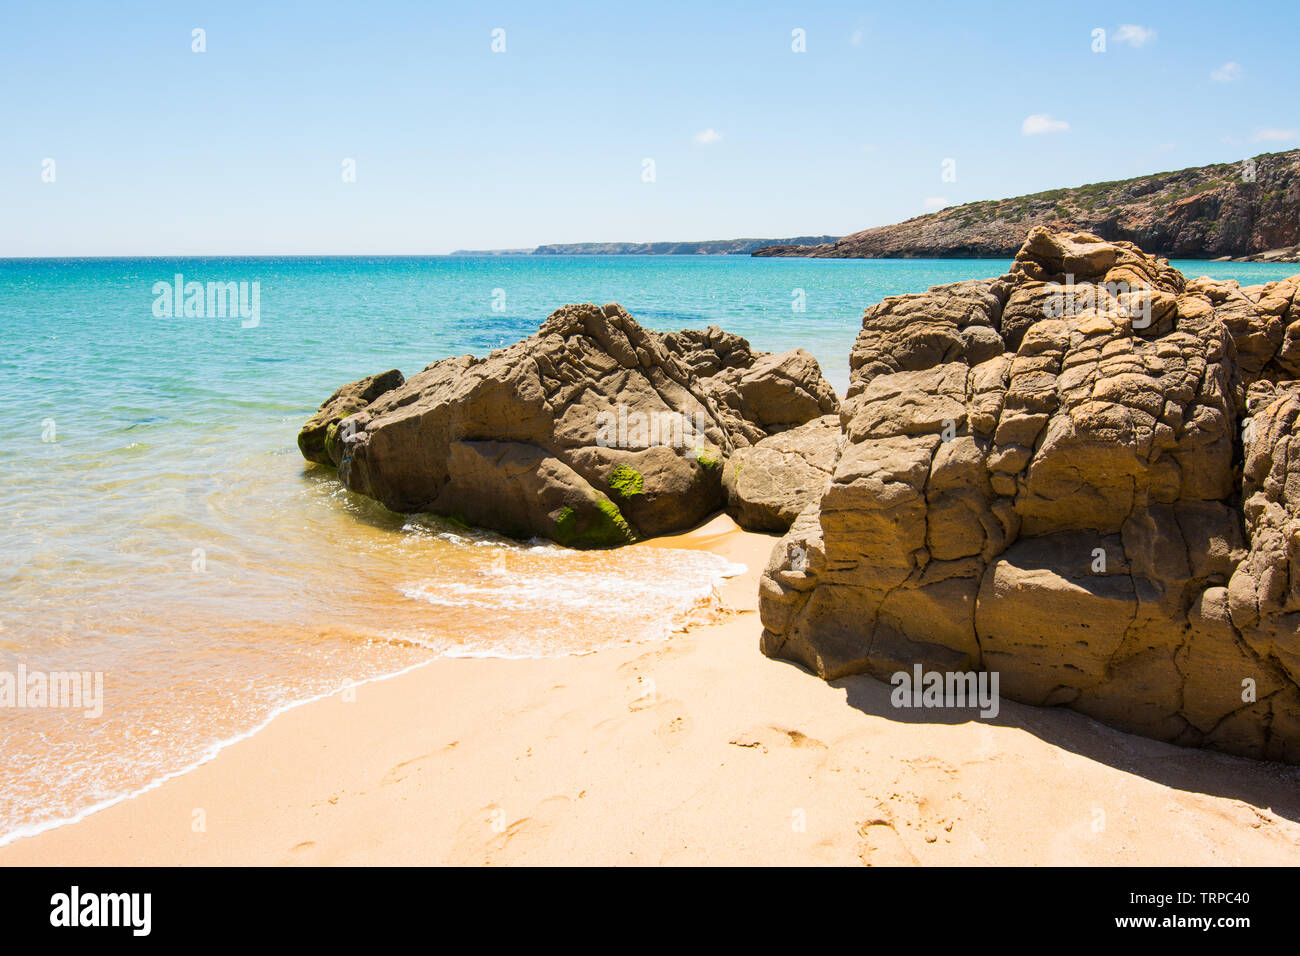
749,742
297,855
646,662
644,693
881,845
529,839
799,739
404,769
770,737
675,728
925,808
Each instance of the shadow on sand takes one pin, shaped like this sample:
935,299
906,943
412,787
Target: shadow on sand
1262,784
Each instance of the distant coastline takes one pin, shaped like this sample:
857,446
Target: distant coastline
707,247
1226,212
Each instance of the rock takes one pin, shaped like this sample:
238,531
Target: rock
1064,506
770,483
756,394
1258,334
589,433
776,392
916,332
316,439
594,432
1264,592
1047,622
1084,256
706,352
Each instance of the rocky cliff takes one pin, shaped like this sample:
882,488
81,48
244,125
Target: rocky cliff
1083,475
1242,210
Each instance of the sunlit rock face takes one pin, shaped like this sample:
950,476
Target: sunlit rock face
1080,475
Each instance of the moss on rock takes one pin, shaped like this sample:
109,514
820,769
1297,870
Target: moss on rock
706,459
603,527
626,481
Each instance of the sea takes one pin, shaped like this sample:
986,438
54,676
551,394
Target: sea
161,534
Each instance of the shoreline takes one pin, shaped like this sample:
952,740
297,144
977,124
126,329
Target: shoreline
585,759
215,749
212,750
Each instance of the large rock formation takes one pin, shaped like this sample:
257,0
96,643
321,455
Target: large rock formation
593,432
1247,209
1044,475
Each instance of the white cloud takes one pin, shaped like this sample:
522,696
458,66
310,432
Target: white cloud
1272,134
1134,35
1042,123
934,202
870,148
856,38
709,135
1230,72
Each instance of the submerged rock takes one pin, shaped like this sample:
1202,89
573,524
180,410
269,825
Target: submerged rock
1042,475
594,432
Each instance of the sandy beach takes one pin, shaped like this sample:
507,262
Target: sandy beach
696,750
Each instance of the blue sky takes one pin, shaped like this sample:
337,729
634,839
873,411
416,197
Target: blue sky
161,150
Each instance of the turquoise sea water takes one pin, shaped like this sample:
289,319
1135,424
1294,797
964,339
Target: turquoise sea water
159,526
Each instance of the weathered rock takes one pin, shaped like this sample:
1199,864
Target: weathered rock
1257,328
706,352
1063,505
316,439
914,332
770,483
594,432
1264,592
590,433
777,392
756,394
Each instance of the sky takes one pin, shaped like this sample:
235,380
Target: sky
118,138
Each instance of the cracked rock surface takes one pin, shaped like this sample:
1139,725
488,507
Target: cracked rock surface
1084,475
594,432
